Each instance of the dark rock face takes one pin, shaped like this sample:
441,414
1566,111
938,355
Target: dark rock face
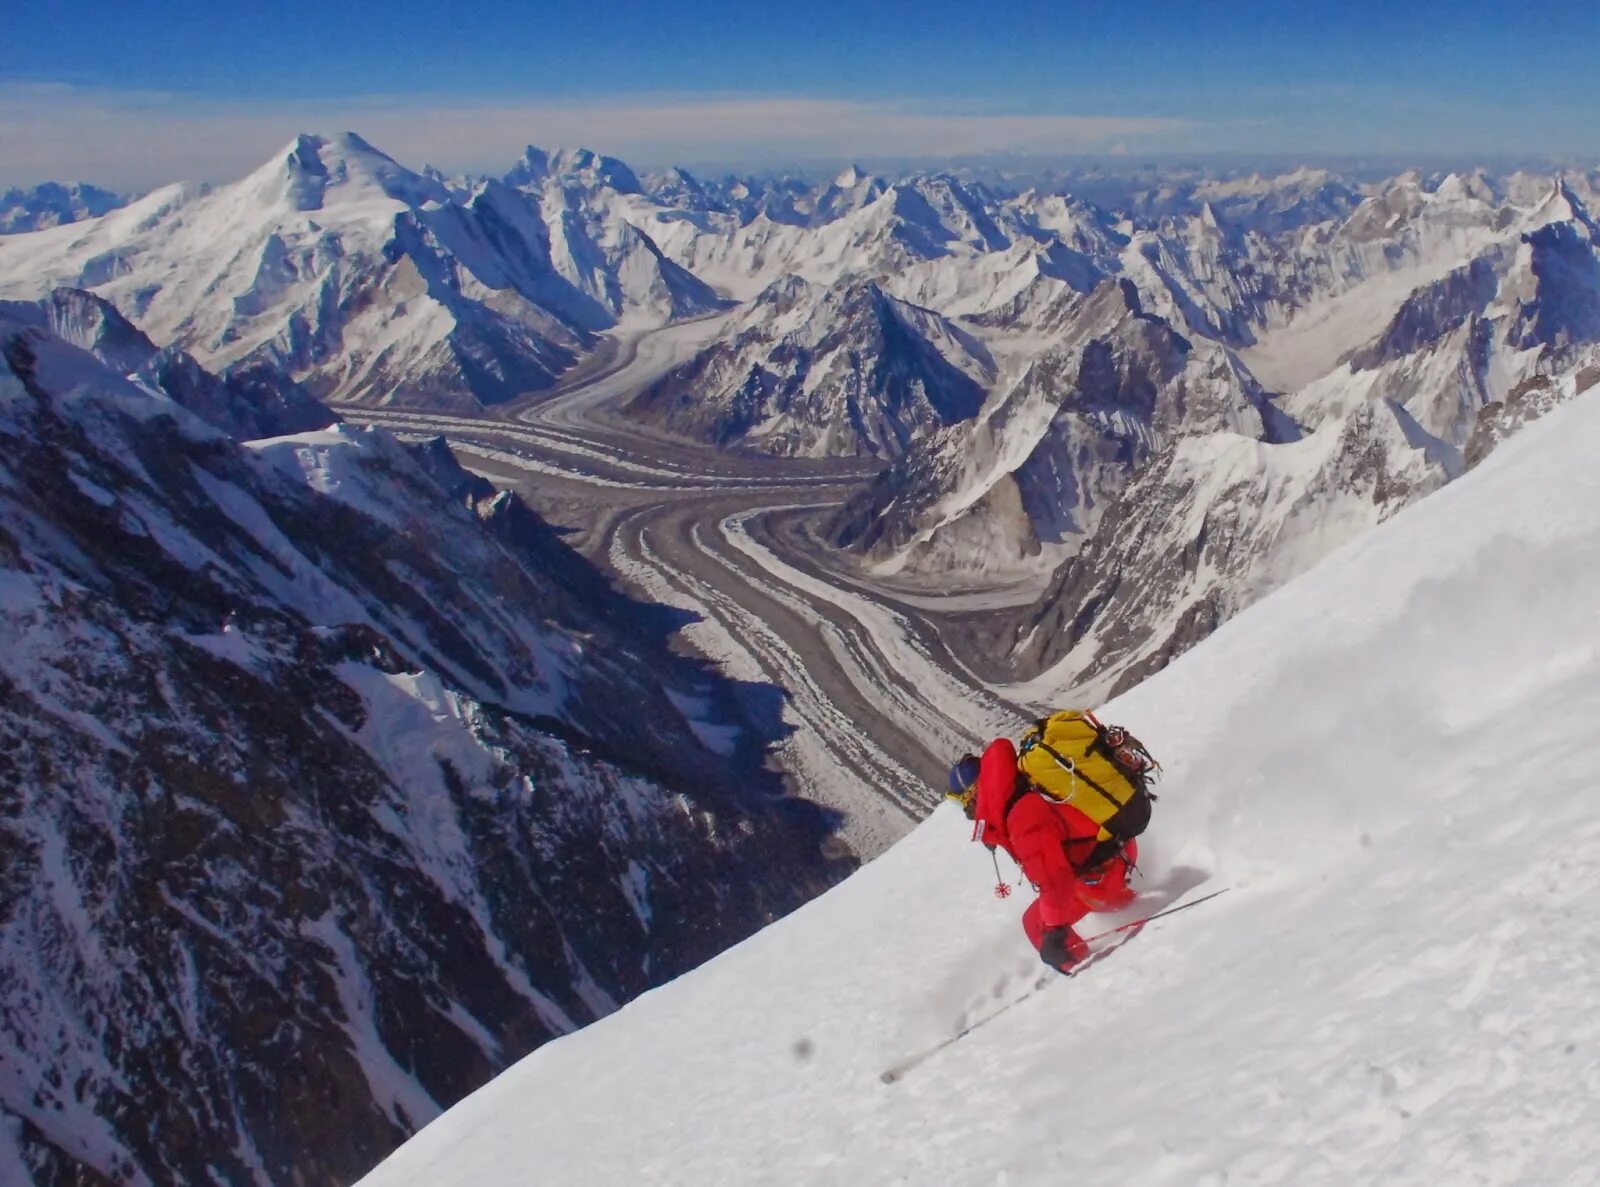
330,785
1567,267
858,376
1432,312
1179,552
1523,405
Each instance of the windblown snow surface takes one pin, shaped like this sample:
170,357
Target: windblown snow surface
1394,764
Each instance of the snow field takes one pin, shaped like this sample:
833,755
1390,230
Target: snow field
1392,761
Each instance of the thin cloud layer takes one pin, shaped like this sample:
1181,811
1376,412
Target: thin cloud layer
134,140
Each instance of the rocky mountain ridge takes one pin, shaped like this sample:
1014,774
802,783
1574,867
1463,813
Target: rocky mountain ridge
840,371
317,807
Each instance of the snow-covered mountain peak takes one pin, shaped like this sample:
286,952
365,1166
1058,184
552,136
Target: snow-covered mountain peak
678,175
818,370
849,192
787,295
312,172
1306,176
343,268
65,370
1472,186
247,403
530,169
677,187
1453,188
1562,205
595,169
582,167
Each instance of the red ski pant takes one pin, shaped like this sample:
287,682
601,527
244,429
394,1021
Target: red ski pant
1105,889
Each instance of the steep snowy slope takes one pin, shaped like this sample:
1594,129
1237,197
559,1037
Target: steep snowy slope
1391,762
332,783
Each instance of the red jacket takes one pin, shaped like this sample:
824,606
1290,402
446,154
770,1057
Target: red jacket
1038,832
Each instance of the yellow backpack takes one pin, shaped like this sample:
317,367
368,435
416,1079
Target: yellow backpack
1102,771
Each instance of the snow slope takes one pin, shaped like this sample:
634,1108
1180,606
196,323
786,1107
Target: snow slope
1391,761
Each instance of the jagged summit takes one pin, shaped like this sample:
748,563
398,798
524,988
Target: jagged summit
1562,204
335,264
818,370
849,177
579,165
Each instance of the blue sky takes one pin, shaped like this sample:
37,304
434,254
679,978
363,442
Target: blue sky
119,92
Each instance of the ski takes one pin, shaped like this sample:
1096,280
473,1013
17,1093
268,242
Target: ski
1139,923
1118,936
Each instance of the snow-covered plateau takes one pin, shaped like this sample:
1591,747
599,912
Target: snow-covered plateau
1389,762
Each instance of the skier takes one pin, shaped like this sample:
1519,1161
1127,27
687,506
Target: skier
1057,846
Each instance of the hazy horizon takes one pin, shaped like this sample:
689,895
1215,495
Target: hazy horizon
133,95
1017,167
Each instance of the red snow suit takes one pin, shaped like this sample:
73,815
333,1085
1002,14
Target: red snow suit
1046,837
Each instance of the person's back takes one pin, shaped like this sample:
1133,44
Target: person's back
1053,843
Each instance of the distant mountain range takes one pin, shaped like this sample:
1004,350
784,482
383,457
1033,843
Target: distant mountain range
51,204
1023,360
